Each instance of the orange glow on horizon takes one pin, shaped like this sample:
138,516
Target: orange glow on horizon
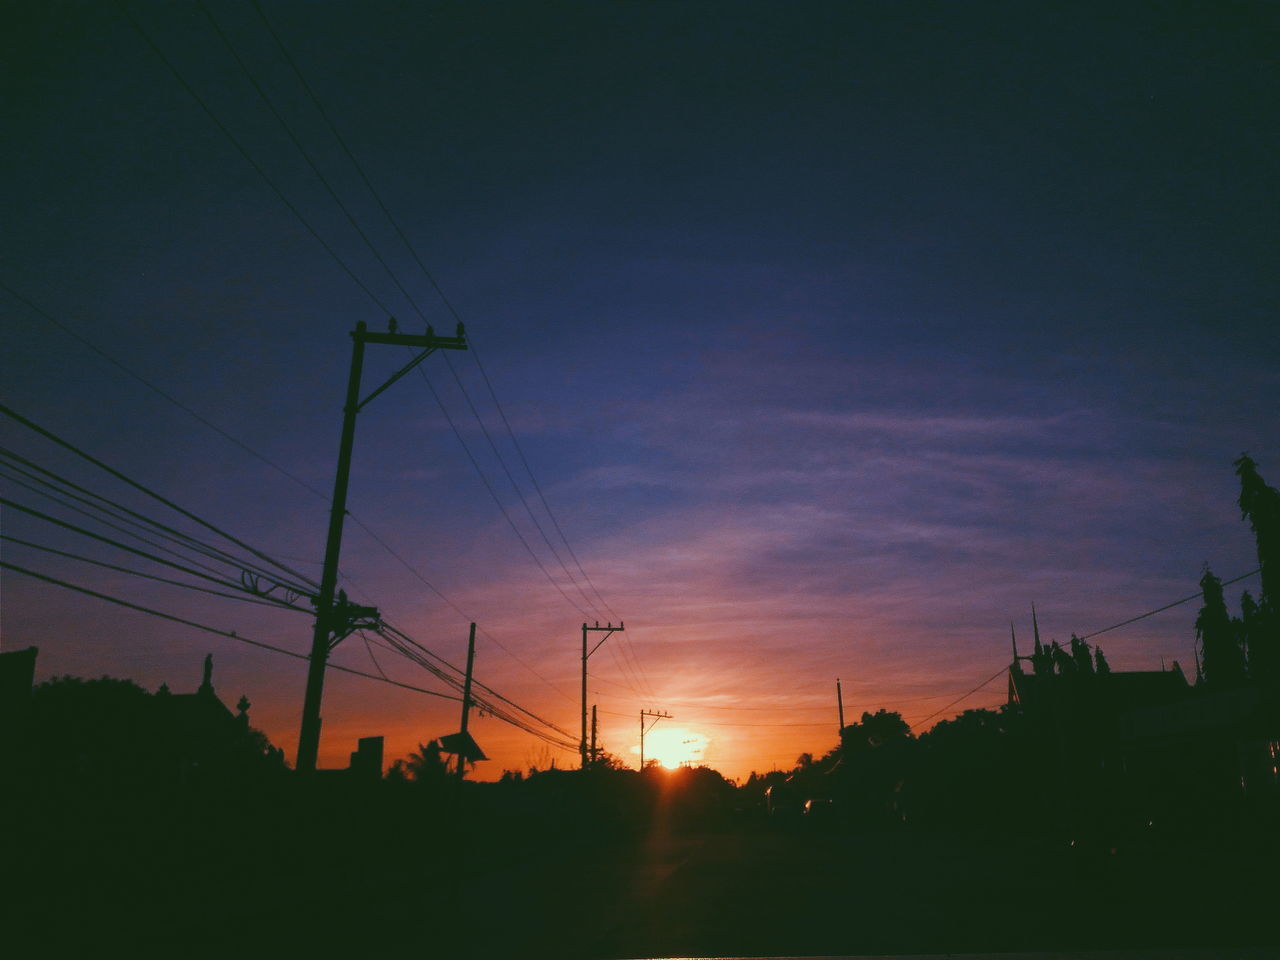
673,747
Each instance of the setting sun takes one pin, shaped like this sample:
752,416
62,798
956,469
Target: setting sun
673,746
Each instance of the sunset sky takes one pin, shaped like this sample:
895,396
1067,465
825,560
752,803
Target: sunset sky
834,334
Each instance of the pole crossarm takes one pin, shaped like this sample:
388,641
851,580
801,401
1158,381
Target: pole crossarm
656,715
429,339
429,343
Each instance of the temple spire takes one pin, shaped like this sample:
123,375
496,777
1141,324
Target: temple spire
1036,626
206,685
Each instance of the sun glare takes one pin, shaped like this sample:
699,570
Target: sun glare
673,747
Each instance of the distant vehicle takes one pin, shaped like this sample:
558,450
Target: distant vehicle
781,800
819,809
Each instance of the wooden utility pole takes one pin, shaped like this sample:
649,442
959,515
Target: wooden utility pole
608,630
840,706
657,715
466,697
594,754
336,618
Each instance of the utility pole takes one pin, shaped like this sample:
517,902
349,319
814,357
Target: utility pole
336,617
594,755
657,715
608,630
840,706
466,696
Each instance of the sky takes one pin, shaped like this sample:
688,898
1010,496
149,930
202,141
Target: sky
835,336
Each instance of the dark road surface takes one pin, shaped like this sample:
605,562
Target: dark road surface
759,892
298,873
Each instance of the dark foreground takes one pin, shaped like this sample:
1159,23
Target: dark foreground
388,870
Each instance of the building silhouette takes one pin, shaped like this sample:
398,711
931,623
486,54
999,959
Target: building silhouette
1130,746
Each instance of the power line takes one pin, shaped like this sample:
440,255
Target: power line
14,415
408,639
231,634
249,159
219,574
369,647
515,486
293,209
633,664
404,239
622,669
536,486
31,511
964,696
252,598
264,459
351,156
480,701
117,511
492,493
333,194
262,94
155,389
453,606
487,706
722,723
1167,606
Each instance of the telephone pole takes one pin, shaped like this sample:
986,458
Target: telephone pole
336,617
466,697
840,706
594,754
657,715
608,630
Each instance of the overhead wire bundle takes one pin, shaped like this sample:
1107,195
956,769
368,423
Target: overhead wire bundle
245,572
629,665
251,580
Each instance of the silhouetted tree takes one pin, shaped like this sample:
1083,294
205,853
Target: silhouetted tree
604,760
976,769
874,730
426,765
1254,629
1080,655
1102,665
873,766
1260,621
1222,661
1260,503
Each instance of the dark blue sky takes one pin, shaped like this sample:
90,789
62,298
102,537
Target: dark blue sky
834,334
